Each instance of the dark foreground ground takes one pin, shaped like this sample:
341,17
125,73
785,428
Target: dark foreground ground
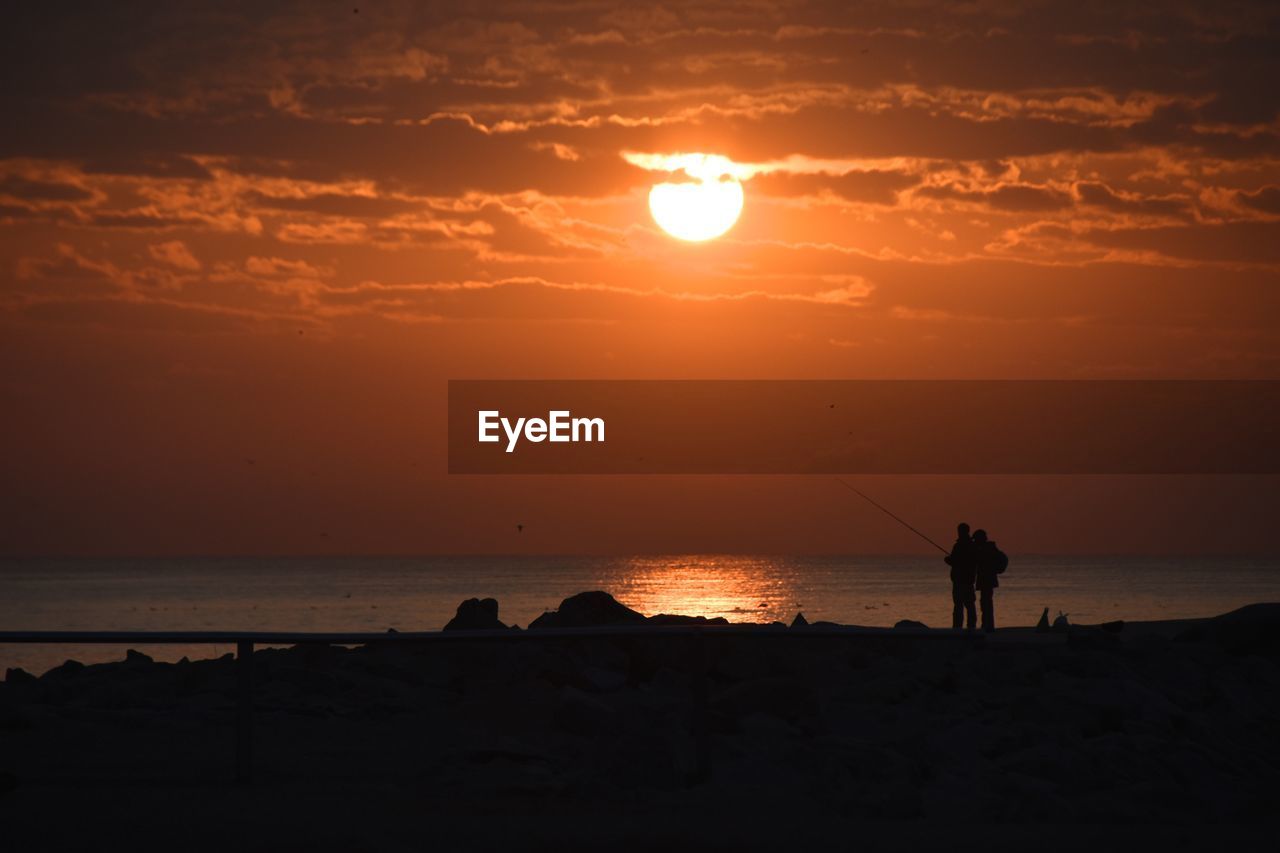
1157,737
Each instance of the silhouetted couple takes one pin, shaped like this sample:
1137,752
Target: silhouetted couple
975,562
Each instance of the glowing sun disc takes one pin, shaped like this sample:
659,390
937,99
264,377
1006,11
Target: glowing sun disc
699,210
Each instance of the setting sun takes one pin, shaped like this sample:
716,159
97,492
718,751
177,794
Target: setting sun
702,208
370,445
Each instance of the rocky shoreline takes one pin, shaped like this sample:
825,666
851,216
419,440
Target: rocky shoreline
1139,724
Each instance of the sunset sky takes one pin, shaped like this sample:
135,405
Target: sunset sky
245,245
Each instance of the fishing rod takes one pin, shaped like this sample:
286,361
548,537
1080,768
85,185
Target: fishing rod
867,498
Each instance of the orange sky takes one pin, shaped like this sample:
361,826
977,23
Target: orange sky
244,248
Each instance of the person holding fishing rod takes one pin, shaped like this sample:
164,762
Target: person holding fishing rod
963,561
974,560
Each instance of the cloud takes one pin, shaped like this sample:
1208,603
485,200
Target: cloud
142,163
347,232
1100,195
272,267
141,315
1265,199
214,210
1229,242
66,273
26,189
479,145
868,186
1015,198
335,204
175,253
854,291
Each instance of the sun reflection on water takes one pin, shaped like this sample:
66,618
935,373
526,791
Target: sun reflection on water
741,589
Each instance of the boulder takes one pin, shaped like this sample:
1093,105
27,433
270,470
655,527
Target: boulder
134,656
1042,627
787,699
587,610
1091,636
602,680
651,758
476,614
1253,629
71,667
908,624
578,713
18,675
799,621
679,619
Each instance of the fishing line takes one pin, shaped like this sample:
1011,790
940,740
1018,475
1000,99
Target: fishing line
868,499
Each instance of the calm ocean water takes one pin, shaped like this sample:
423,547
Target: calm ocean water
373,594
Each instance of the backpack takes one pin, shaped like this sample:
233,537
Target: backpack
999,559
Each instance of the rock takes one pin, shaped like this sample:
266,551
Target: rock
1113,627
13,718
678,619
476,614
71,667
134,656
1042,627
18,675
737,661
498,768
1061,624
759,726
1091,636
785,698
582,714
908,625
897,801
652,758
799,621
589,609
603,680
1254,628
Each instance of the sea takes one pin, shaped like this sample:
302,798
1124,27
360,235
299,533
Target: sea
422,593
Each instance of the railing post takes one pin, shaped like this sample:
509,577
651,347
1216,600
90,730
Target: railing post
244,711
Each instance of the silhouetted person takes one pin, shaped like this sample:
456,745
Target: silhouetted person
962,561
989,562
